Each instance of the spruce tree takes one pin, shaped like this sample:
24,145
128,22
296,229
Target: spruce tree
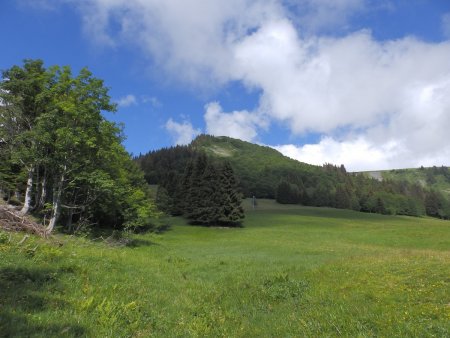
181,200
231,211
209,211
195,197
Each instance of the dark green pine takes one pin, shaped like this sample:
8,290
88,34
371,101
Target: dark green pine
195,196
181,200
231,211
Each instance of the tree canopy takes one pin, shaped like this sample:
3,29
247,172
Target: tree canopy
206,193
59,151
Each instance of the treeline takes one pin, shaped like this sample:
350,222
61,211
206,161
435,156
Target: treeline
265,173
60,158
433,173
334,187
203,191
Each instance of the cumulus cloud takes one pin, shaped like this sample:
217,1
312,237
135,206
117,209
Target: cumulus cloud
182,133
357,155
128,100
381,98
243,125
362,155
322,84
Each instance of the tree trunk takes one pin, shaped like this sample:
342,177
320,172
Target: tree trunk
36,190
27,202
69,220
43,194
56,211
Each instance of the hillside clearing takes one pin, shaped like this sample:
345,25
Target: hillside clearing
290,271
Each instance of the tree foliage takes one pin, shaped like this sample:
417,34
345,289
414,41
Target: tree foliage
55,139
206,192
287,193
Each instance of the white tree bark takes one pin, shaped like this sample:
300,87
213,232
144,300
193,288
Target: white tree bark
27,202
56,210
43,192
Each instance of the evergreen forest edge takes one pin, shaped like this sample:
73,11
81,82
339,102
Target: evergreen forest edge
64,162
263,172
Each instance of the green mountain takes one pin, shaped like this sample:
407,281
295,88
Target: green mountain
259,168
265,173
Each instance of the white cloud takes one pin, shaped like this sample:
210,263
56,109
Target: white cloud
362,155
445,20
322,84
356,155
381,98
187,38
237,124
128,100
183,133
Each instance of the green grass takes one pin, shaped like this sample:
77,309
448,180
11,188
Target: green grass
291,271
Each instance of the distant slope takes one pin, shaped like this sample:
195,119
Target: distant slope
437,178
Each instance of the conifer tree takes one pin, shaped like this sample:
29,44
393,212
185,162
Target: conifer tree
209,194
194,196
181,198
204,192
231,211
209,212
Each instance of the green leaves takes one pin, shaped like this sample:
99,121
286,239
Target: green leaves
55,126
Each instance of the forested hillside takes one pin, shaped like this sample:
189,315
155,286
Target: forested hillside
259,167
436,178
265,173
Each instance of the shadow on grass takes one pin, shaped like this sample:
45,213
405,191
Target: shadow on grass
27,292
138,242
162,228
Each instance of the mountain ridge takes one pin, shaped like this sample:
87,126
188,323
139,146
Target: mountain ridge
264,172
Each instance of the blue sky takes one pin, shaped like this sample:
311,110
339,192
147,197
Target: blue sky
359,82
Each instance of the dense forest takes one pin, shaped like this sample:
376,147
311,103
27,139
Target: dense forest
60,159
265,173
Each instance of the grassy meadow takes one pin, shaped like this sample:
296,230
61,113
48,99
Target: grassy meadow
291,271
